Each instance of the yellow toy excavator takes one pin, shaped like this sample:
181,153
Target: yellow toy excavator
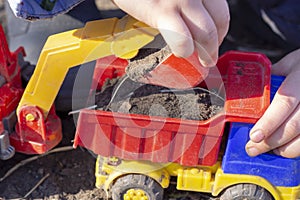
39,128
122,38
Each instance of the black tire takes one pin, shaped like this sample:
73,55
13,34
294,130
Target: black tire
143,183
246,192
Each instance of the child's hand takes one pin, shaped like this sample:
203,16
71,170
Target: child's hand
279,128
185,25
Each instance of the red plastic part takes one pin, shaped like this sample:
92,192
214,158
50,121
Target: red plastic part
9,99
30,137
137,137
39,135
108,67
177,72
244,80
11,90
10,68
250,74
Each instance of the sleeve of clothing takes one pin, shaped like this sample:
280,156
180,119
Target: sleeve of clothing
283,16
41,9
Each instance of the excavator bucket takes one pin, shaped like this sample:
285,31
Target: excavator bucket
156,64
180,73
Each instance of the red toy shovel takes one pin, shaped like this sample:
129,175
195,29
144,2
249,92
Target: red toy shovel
175,72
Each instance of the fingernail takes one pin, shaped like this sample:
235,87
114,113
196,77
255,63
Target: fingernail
257,136
252,151
207,63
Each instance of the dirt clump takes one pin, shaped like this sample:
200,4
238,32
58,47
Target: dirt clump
148,58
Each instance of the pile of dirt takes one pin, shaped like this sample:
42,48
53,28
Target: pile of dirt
126,96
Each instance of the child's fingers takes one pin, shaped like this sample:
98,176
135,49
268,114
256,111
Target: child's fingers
291,149
203,31
277,135
220,15
176,34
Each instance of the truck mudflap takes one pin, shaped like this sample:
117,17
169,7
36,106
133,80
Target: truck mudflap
244,79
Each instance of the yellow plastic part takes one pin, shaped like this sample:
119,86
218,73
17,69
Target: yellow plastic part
63,51
30,117
289,193
210,179
135,194
213,180
106,174
223,181
196,178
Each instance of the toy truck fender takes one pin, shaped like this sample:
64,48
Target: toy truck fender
224,181
110,169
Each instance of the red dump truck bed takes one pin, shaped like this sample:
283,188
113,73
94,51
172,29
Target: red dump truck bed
244,81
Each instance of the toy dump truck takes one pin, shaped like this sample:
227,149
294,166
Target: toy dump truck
139,154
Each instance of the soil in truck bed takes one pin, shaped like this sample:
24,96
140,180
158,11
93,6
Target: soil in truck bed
126,95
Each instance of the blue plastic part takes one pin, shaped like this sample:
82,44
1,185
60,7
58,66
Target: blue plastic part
277,170
275,83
